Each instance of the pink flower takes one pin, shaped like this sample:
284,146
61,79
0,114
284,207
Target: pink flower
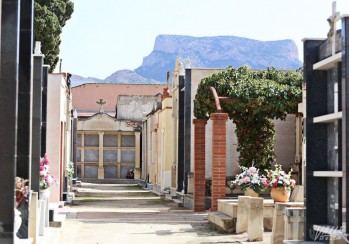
252,170
246,179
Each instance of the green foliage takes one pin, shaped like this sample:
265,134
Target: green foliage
49,18
259,96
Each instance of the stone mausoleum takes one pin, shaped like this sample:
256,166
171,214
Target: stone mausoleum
109,140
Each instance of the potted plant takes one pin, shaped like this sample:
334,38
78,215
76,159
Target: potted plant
280,183
21,210
46,179
249,180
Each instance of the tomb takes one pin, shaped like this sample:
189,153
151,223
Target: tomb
326,76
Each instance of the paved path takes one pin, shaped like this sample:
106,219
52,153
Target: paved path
110,213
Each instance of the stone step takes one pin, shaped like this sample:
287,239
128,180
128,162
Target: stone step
110,194
228,207
222,221
178,202
113,181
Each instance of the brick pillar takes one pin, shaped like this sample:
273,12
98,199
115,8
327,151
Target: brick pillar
199,164
218,158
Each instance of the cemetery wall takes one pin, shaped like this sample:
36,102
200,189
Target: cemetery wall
56,126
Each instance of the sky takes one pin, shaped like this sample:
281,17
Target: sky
108,35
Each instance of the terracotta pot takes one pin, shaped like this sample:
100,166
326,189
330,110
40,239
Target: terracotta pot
251,193
280,194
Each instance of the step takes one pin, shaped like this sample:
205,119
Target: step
112,181
110,194
222,221
178,202
228,207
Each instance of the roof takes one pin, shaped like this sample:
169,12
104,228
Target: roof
85,96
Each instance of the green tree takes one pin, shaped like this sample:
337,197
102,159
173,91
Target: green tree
50,17
257,97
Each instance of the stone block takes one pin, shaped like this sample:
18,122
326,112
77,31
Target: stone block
224,222
33,216
268,214
255,219
188,201
228,207
297,194
278,231
294,223
242,214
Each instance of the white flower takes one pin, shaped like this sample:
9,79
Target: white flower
255,179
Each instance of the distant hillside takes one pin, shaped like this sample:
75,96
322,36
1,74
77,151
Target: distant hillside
79,80
217,52
204,52
129,77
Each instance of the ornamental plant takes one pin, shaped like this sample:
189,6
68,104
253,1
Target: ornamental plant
46,179
70,170
249,178
21,191
256,97
279,179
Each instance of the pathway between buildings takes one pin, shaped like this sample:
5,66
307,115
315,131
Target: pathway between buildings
125,213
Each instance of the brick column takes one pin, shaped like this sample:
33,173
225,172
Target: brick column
218,158
199,164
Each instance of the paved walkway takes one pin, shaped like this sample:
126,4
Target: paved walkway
110,213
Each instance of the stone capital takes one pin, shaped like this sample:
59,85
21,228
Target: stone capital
200,122
219,116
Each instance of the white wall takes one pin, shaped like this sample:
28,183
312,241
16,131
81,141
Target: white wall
56,114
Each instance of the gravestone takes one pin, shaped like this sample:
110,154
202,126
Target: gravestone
36,121
326,75
8,109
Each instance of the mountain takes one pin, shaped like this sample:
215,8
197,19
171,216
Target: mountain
217,52
125,76
129,77
79,80
204,52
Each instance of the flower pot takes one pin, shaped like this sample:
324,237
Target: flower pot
280,194
251,193
44,195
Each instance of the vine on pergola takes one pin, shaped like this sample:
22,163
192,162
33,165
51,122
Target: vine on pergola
256,97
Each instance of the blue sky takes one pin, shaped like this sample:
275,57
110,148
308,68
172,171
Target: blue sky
108,35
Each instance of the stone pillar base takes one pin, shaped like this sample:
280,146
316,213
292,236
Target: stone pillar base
137,173
100,173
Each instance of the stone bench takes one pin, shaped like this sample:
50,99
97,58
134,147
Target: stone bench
279,228
294,223
229,207
234,215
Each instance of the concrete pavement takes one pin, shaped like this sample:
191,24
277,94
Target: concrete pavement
109,213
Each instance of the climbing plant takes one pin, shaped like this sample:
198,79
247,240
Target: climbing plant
256,98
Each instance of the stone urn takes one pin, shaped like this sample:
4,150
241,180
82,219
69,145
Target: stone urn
280,194
251,193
